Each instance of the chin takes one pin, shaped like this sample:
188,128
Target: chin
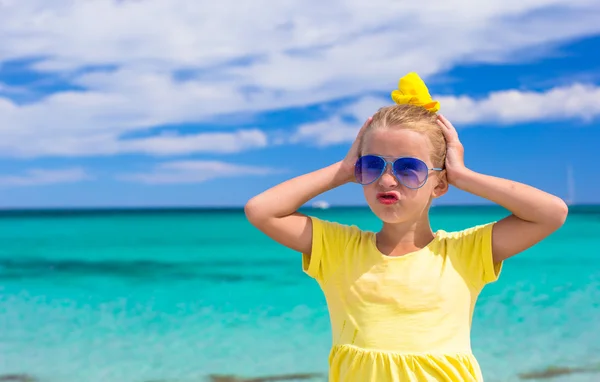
389,214
402,211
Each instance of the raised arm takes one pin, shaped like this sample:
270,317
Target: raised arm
275,211
535,213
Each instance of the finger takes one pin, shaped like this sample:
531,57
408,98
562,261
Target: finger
447,123
364,127
367,122
445,131
449,129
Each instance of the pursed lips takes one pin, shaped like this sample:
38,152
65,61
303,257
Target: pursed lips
388,197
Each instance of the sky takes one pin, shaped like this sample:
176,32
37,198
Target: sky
200,103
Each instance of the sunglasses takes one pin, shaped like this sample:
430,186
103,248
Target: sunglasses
410,172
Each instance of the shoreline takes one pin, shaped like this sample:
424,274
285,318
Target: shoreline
549,372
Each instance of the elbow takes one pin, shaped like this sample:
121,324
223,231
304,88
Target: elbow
559,213
252,210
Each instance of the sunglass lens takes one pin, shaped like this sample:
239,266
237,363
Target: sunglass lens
368,168
411,172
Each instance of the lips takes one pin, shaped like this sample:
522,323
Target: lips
387,197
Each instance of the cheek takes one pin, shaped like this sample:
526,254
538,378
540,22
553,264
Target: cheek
369,191
370,194
418,196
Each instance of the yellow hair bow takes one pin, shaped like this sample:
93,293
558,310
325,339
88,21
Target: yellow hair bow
412,90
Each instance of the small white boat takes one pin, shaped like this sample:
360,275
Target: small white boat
321,204
570,199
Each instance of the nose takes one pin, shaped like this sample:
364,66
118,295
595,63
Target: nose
388,180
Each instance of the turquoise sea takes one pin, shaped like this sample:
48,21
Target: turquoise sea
177,295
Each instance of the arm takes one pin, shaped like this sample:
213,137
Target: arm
274,211
535,213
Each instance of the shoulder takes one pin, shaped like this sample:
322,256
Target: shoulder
470,250
335,237
332,242
335,230
467,237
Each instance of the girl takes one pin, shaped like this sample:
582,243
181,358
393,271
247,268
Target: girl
401,300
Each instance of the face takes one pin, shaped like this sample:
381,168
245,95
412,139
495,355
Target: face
388,198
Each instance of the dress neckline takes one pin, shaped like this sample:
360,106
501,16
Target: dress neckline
373,242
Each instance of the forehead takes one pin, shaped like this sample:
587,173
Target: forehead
397,143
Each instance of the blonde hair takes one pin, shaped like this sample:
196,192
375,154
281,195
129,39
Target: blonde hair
415,118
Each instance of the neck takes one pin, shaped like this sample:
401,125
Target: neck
407,234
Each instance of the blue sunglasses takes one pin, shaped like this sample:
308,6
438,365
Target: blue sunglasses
410,172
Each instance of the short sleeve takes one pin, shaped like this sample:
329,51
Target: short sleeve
329,241
472,251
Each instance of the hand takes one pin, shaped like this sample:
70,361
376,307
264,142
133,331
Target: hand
348,163
455,152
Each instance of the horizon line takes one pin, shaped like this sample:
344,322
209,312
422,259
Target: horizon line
225,207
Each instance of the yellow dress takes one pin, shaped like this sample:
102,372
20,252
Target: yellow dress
404,318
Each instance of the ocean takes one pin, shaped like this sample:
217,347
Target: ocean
178,295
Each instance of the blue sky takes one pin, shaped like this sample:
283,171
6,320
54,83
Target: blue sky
185,103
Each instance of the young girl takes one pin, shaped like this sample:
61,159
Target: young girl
401,300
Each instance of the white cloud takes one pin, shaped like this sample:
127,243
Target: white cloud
106,143
174,143
325,133
12,90
497,109
294,52
178,172
38,177
577,101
